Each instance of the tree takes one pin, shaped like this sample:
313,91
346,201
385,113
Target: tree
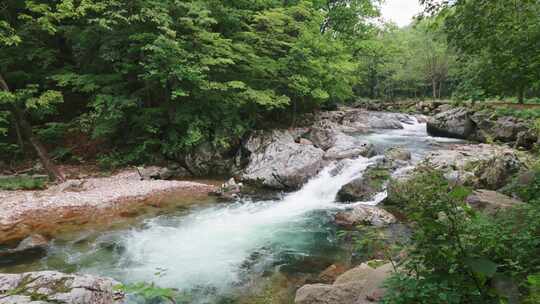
20,101
503,33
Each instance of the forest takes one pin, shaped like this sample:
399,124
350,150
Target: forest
331,127
138,81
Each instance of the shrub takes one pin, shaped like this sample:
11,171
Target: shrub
22,183
456,255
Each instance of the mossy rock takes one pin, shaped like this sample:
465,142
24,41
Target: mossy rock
366,186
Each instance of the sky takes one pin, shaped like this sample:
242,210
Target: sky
400,11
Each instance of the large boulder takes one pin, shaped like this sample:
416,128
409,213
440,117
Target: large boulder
366,120
491,202
346,146
56,287
485,166
364,215
360,285
456,123
277,161
503,128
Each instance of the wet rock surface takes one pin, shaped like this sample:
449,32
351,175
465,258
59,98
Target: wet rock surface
365,187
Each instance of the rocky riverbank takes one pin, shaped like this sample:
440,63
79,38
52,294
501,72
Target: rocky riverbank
280,160
84,201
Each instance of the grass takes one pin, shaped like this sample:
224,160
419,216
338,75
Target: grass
22,182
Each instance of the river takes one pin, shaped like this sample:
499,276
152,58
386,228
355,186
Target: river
215,251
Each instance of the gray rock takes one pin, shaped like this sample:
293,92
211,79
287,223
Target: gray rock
35,244
526,139
364,215
277,161
229,190
346,146
35,241
486,166
365,120
504,128
491,202
323,134
454,123
360,285
56,287
366,186
398,154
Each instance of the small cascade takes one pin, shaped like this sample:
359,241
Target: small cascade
208,247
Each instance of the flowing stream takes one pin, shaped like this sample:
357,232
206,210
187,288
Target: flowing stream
211,251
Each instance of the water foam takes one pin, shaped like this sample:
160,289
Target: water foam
209,246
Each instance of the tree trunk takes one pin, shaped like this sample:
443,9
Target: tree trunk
434,88
521,95
18,133
53,172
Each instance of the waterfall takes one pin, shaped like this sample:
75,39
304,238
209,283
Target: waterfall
209,246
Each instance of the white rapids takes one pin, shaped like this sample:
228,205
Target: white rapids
209,246
213,250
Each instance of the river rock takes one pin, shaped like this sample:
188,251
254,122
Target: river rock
491,202
32,247
398,154
365,120
346,146
526,139
360,285
56,287
366,186
330,274
324,134
504,128
229,190
483,165
277,161
454,123
364,215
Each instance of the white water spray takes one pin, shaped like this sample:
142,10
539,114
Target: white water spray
208,247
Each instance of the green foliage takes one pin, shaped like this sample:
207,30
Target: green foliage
534,289
520,113
163,77
22,183
497,37
526,190
456,254
151,293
